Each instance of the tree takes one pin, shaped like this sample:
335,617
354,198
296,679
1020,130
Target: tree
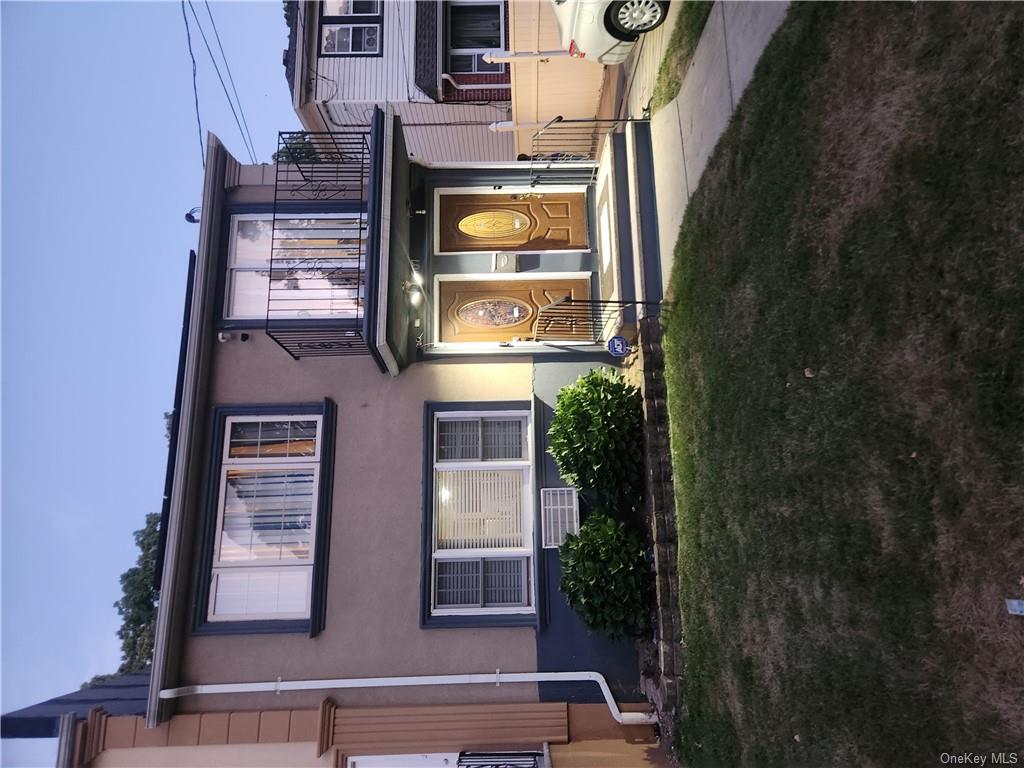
137,606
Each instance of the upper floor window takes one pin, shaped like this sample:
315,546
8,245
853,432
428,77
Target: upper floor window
474,27
351,28
266,518
482,513
317,269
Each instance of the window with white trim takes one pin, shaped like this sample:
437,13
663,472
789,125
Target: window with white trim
327,252
482,543
474,28
351,27
266,518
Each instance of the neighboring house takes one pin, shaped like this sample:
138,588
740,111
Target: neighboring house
359,561
472,80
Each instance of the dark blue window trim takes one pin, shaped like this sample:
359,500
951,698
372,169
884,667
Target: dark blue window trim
427,621
318,602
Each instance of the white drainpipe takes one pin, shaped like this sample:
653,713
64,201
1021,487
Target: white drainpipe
502,126
475,86
497,678
501,57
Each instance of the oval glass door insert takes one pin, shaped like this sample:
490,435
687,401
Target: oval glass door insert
497,312
491,225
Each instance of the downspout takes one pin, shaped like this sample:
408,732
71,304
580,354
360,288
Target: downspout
495,678
475,86
502,57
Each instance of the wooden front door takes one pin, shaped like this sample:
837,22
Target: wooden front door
506,310
527,221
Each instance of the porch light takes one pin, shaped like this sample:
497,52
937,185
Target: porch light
413,289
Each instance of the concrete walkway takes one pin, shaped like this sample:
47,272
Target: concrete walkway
685,131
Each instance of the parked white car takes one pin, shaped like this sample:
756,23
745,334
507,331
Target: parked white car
606,30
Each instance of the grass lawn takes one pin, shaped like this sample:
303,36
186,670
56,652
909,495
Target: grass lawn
681,44
845,355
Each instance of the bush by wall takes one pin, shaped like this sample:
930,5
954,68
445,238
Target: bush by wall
596,439
606,578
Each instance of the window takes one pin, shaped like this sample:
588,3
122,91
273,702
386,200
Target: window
481,509
266,534
351,28
473,29
266,518
318,266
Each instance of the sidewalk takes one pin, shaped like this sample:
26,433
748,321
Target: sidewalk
684,132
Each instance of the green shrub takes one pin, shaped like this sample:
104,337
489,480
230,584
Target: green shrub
606,578
596,439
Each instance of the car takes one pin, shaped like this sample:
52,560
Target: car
605,30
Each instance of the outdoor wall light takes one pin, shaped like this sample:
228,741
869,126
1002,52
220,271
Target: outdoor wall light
414,289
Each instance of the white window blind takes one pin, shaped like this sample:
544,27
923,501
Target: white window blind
482,513
263,561
560,514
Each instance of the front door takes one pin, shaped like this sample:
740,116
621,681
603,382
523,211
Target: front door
527,221
510,310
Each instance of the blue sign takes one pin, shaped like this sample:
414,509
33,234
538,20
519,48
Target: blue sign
1015,607
618,346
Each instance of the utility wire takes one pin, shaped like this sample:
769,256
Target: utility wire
252,155
195,89
230,78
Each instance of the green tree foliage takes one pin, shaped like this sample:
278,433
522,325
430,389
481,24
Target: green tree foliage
137,606
606,578
596,439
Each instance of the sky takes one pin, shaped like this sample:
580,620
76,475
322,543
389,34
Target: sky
100,162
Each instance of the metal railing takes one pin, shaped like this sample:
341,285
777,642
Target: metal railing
317,286
587,320
562,147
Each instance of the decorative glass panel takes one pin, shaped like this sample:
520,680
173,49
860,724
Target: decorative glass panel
493,225
499,312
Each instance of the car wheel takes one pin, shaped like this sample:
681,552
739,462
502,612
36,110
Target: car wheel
628,19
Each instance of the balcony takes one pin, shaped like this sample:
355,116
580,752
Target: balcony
322,256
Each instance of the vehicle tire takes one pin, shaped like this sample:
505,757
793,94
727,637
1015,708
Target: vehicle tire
628,19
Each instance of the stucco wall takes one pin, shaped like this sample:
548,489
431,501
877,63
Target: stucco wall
373,597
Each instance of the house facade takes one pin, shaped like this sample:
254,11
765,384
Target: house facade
359,562
472,80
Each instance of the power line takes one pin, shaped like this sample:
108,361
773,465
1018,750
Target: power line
252,155
195,89
230,78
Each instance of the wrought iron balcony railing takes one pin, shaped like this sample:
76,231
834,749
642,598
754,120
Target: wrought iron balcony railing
317,294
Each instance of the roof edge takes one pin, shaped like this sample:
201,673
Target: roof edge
193,378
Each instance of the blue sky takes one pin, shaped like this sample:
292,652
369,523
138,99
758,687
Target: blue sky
100,161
